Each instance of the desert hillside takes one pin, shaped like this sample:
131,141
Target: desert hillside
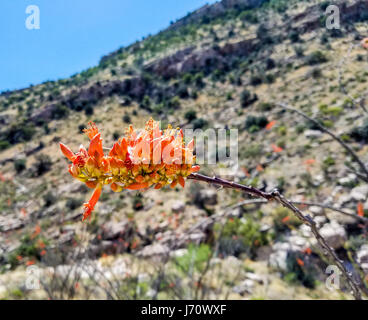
240,64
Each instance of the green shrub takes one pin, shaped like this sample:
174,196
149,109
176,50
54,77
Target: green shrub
249,16
299,51
42,165
270,64
198,80
20,165
146,103
126,118
241,236
283,218
88,110
270,78
360,134
116,135
316,73
73,203
328,162
49,199
4,145
312,125
255,80
28,248
326,110
190,115
137,202
294,36
264,106
253,123
59,112
246,98
187,78
316,57
174,103
182,91
199,123
282,130
305,274
197,256
19,133
252,151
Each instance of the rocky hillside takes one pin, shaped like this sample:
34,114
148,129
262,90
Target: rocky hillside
228,65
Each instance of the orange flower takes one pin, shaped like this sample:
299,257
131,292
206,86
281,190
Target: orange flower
300,262
270,125
360,209
246,172
30,262
364,43
134,244
36,232
309,162
41,244
23,211
152,157
276,149
90,205
286,219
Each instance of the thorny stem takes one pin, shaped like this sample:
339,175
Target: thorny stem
331,134
277,196
304,203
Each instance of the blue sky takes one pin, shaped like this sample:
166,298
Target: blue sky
75,34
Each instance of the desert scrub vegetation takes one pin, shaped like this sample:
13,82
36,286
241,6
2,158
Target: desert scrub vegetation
278,149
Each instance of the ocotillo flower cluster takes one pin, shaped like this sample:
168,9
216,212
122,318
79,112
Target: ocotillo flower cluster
364,43
137,161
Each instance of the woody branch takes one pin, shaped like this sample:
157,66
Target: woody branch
306,219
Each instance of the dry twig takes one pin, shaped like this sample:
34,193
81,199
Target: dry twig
335,137
278,197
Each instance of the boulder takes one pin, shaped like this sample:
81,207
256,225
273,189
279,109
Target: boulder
316,210
334,234
254,277
206,197
312,134
9,224
362,257
244,287
178,207
113,230
348,180
278,259
359,193
155,249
